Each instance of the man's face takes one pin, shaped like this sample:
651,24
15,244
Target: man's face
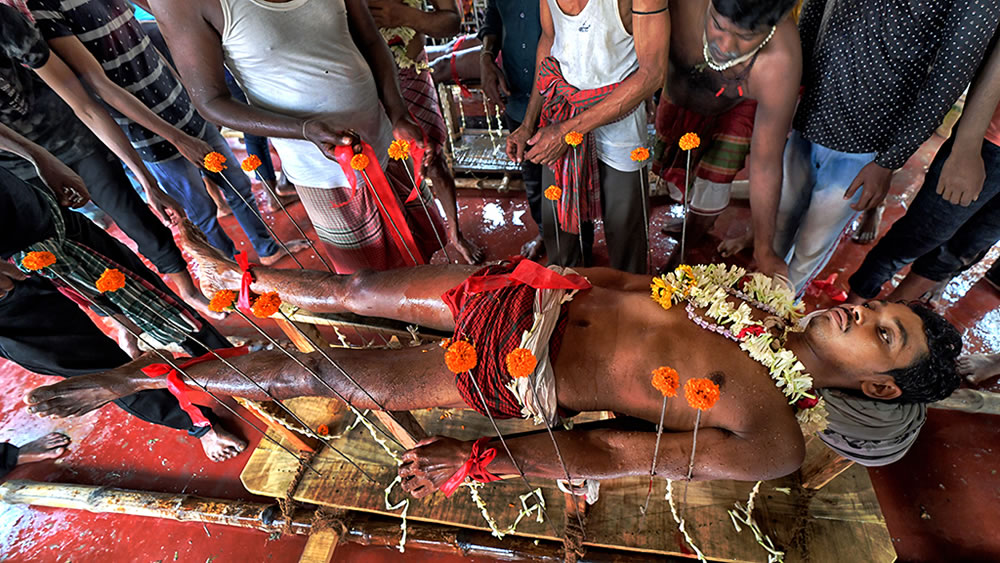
726,41
873,338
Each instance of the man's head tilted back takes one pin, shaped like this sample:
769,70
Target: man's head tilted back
889,351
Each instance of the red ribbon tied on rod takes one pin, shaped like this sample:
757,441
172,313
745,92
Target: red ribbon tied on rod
474,467
243,302
180,390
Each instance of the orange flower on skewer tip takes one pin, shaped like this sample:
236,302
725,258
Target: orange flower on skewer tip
521,363
359,162
323,430
250,163
460,357
701,393
689,141
573,138
266,305
222,300
553,192
215,162
399,149
666,381
35,261
639,154
111,280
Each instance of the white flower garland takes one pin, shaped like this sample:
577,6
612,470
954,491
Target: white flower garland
708,286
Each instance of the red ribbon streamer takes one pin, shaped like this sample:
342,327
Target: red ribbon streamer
180,390
243,302
474,467
828,287
417,152
392,212
755,330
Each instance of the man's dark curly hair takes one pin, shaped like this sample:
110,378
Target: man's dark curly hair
753,15
934,375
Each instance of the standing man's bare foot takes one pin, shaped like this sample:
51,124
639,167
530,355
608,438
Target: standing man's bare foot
220,444
731,246
534,248
50,446
979,367
215,271
870,221
293,246
190,295
284,187
471,253
270,205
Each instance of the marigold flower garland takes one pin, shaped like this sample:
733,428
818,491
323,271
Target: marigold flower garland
215,162
111,280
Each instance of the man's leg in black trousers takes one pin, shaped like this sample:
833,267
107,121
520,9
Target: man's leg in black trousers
531,175
966,248
567,251
621,205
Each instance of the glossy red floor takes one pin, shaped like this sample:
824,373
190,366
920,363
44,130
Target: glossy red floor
940,502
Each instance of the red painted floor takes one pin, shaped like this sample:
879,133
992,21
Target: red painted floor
940,502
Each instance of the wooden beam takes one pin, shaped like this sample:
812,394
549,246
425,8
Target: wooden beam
822,464
970,400
321,546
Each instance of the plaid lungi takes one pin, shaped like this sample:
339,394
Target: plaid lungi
421,100
725,142
493,321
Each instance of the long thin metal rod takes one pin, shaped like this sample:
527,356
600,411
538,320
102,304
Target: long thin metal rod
517,466
555,218
334,363
277,199
684,225
311,372
256,212
391,222
579,216
643,180
569,480
180,370
656,449
427,212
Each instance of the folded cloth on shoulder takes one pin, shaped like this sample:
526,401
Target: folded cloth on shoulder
872,433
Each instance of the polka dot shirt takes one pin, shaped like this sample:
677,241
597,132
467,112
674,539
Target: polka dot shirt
879,75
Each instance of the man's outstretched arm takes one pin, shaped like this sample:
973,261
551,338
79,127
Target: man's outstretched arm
443,21
608,454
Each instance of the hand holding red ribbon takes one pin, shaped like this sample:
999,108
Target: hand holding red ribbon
474,467
180,390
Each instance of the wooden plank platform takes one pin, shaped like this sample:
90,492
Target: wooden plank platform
841,522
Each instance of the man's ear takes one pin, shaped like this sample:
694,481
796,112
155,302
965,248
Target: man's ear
880,387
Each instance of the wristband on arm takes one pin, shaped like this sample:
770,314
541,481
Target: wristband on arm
474,467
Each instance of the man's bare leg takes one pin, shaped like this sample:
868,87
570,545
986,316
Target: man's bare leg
444,189
411,295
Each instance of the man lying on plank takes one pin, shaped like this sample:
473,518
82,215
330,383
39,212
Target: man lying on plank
594,352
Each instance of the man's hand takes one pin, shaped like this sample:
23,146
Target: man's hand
164,206
769,263
517,142
430,463
962,177
323,133
191,148
875,179
547,145
493,81
67,186
8,275
406,129
387,13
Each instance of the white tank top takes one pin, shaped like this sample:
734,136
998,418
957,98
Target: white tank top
594,49
297,58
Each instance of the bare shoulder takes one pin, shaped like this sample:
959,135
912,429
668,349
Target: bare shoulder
780,63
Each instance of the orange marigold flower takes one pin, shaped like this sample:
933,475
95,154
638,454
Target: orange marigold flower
215,162
111,280
250,163
266,305
701,393
323,430
553,192
460,357
359,161
573,138
445,343
37,260
689,141
666,381
399,149
640,154
222,300
521,363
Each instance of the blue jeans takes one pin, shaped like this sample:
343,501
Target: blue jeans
940,239
182,180
256,146
813,212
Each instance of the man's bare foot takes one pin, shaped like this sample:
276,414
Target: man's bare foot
471,253
79,395
215,271
673,226
870,221
293,246
735,245
534,248
978,368
220,444
200,304
50,446
269,205
284,187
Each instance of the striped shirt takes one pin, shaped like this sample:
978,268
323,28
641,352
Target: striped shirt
111,33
